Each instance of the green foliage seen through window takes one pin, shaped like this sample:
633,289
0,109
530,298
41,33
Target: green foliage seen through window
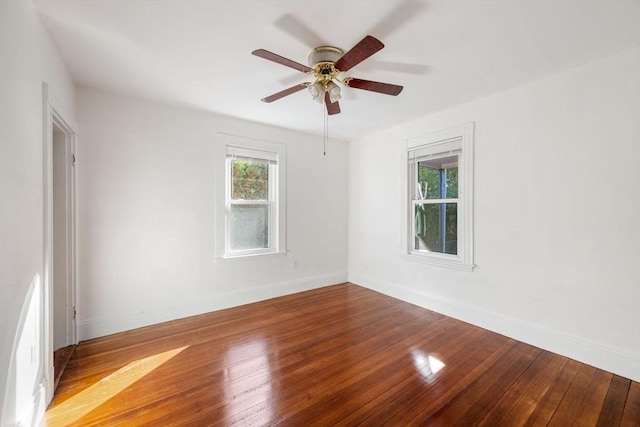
250,180
429,227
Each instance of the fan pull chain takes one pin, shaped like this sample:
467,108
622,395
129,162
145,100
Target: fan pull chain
326,131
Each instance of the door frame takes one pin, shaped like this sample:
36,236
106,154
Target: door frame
54,113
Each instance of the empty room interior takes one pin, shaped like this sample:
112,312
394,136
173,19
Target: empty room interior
357,212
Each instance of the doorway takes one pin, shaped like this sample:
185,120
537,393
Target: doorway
63,289
59,331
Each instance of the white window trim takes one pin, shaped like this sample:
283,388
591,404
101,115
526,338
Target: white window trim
222,187
464,259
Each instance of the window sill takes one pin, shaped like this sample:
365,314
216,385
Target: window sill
440,262
235,258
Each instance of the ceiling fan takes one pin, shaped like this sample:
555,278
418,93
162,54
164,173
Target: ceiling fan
326,63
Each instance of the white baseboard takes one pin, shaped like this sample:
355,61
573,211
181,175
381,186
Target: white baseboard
600,356
106,325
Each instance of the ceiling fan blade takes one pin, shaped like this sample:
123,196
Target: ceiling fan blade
361,51
402,13
298,30
284,93
332,107
281,60
386,88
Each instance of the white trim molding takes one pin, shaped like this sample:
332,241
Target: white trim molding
603,357
276,154
106,325
459,141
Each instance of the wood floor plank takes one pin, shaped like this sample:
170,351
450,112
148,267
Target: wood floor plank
348,366
631,414
219,333
328,347
591,406
475,402
519,402
337,402
569,406
546,406
424,392
614,402
296,372
468,369
341,355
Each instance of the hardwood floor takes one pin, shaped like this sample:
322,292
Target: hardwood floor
60,359
341,355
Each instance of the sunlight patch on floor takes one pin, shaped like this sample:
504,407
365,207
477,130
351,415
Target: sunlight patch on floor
86,401
248,382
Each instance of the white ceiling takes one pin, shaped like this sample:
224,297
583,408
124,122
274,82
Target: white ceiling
197,54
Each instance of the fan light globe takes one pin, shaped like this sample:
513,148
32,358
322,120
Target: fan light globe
317,91
334,92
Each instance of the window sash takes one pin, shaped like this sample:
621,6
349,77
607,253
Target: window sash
442,227
245,154
441,201
270,230
251,154
271,176
413,171
434,201
436,150
416,189
250,202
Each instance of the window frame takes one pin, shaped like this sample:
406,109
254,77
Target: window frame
440,144
275,155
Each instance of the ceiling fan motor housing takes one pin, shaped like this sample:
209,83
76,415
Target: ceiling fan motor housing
324,54
322,60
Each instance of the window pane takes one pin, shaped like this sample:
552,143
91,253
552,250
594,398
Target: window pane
249,227
438,178
437,228
249,180
451,178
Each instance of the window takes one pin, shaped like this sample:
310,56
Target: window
251,209
438,202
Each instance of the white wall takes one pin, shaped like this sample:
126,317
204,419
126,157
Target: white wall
557,215
27,59
146,217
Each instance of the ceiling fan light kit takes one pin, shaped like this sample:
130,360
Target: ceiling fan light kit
326,63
